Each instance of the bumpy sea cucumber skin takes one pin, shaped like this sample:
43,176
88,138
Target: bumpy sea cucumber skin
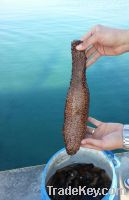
77,102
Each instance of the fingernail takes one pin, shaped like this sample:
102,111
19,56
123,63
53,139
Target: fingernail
78,47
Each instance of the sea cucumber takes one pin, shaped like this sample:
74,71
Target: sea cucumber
77,102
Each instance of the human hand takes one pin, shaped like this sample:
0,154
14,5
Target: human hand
104,41
107,136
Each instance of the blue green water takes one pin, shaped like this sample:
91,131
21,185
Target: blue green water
35,69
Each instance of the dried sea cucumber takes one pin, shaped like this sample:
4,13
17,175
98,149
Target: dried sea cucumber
77,102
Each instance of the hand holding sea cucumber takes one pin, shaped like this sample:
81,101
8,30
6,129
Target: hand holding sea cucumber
104,41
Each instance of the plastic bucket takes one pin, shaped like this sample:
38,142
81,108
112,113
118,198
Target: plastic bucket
104,159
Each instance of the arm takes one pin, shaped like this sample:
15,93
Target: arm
104,41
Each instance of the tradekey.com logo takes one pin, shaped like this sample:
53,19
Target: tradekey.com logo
85,191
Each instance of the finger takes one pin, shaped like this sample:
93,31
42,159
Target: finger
88,135
93,59
90,147
94,121
93,142
89,34
90,130
90,52
91,41
85,37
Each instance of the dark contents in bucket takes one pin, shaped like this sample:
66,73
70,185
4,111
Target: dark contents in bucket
78,176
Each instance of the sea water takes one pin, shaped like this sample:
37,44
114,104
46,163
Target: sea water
35,70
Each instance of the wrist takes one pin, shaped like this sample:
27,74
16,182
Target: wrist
126,40
125,135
